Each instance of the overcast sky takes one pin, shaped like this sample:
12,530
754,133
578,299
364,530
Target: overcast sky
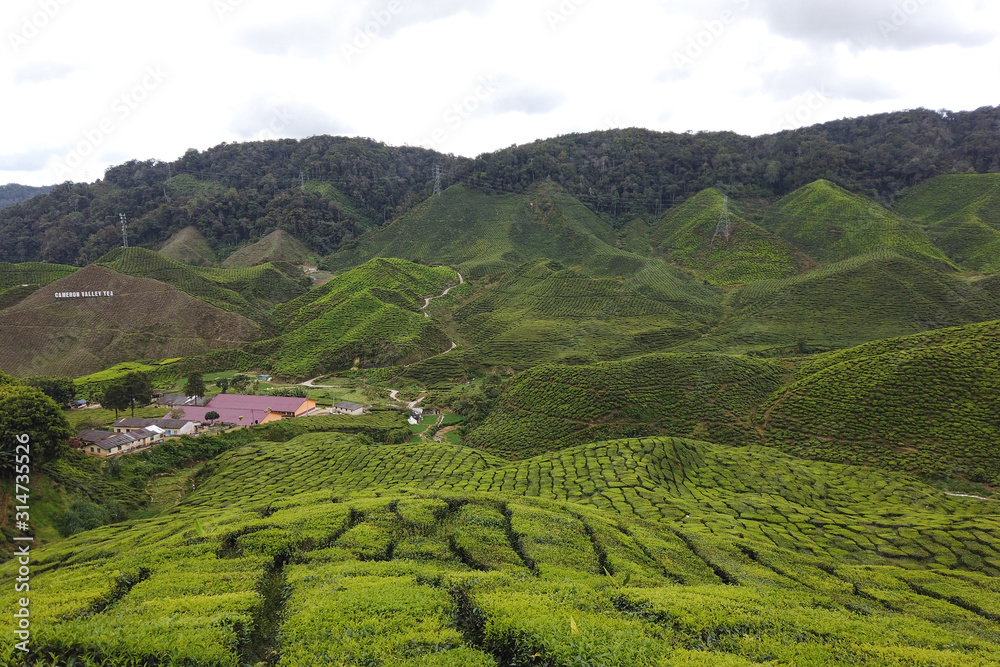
88,84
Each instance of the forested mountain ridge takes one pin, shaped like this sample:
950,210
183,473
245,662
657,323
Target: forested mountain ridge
328,190
13,193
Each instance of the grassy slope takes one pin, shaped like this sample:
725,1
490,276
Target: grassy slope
371,313
485,235
926,403
146,319
188,246
544,312
963,217
848,303
552,285
706,396
278,246
250,292
685,235
831,224
654,551
18,281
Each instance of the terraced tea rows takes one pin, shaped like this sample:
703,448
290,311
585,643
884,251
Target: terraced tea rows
831,224
686,234
924,403
636,552
698,395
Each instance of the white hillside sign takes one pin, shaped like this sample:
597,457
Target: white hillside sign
84,295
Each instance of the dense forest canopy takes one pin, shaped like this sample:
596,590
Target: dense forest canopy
329,190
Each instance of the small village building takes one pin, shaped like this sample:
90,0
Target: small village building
169,427
109,443
282,405
234,416
348,408
179,400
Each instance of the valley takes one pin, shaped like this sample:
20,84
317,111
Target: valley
753,423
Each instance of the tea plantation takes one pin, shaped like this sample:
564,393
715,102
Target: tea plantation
698,395
654,551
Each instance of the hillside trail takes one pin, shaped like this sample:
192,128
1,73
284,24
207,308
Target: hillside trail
427,301
393,392
312,384
966,495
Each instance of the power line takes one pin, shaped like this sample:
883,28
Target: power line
725,225
124,220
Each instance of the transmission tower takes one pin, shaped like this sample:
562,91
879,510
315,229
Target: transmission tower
124,230
437,180
725,226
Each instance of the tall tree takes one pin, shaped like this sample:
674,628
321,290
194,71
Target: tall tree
116,397
195,385
223,384
140,389
28,411
60,390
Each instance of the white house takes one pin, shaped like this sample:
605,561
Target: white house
348,408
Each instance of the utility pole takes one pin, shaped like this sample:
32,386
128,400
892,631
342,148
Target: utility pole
302,180
124,230
437,180
725,226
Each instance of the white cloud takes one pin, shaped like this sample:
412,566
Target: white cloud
559,66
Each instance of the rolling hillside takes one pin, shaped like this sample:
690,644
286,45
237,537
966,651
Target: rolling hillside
963,216
926,404
711,397
278,246
251,292
145,319
544,312
847,303
189,246
831,224
18,281
370,314
686,235
633,552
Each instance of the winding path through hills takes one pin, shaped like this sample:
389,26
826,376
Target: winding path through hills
427,301
392,392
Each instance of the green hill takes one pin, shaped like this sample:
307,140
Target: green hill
706,396
18,281
963,215
145,319
926,404
632,552
489,235
189,246
484,234
686,234
848,303
370,314
954,195
250,291
278,246
544,312
831,224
